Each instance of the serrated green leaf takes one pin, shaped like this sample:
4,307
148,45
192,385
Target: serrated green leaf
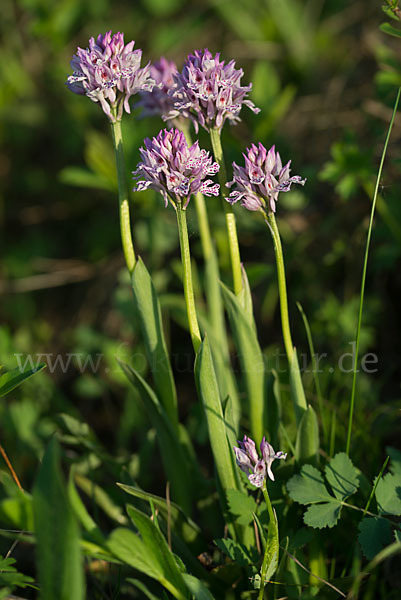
308,487
158,551
9,380
307,443
342,476
323,515
242,506
57,535
9,576
238,552
388,494
374,535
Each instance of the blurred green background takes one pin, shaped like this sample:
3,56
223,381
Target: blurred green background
325,78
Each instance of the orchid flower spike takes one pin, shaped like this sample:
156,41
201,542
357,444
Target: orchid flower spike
258,184
250,463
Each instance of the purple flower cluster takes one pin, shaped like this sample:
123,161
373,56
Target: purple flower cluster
109,72
174,169
248,460
208,92
260,181
158,101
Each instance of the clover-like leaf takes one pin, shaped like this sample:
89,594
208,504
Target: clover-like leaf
388,494
309,488
242,506
342,476
374,535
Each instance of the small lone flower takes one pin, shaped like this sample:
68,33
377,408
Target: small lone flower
260,181
159,101
174,169
208,92
249,460
109,72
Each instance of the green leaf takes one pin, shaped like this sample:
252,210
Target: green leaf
322,515
58,551
142,587
251,359
238,552
101,498
242,506
81,513
197,588
209,394
390,30
18,511
297,389
308,487
307,442
152,330
342,476
172,455
9,576
158,551
374,535
128,547
9,380
388,494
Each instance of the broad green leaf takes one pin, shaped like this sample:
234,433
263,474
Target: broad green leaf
229,418
79,177
58,551
242,505
390,30
158,551
197,588
323,515
374,535
209,394
307,442
128,547
9,380
342,476
152,329
178,519
297,389
395,460
81,513
308,487
251,359
388,494
101,498
171,451
238,552
18,511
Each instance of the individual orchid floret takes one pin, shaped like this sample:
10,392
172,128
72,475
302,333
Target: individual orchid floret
159,101
250,463
257,185
208,91
175,169
109,72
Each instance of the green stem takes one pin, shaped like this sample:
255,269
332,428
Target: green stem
272,545
125,221
364,270
187,277
229,214
282,287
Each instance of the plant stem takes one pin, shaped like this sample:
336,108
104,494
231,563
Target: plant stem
187,277
282,287
125,221
364,270
229,214
272,545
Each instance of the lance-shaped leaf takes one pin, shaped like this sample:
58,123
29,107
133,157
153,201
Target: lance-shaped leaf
9,380
307,443
297,389
152,330
172,454
309,488
251,358
57,535
209,394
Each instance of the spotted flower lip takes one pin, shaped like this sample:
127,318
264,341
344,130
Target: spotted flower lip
109,72
209,92
159,101
250,463
175,169
258,183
